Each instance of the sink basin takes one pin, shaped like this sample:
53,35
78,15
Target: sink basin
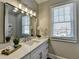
32,42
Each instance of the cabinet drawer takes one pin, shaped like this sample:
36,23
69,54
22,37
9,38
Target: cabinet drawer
26,57
34,51
39,49
44,45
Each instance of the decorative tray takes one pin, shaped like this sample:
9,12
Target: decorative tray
10,50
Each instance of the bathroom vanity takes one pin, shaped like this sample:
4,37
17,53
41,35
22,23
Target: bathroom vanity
35,49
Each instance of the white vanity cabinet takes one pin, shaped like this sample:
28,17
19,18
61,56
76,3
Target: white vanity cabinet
39,53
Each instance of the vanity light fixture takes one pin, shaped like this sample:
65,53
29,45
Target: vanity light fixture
15,9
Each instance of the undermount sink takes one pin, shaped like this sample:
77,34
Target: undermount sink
32,42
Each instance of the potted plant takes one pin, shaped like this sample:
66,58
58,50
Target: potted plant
16,42
8,39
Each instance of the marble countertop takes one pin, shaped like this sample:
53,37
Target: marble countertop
24,50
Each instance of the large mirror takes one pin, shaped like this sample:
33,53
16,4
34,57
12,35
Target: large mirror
17,23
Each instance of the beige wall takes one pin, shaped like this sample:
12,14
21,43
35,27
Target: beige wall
30,3
64,49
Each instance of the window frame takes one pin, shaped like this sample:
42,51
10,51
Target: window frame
67,39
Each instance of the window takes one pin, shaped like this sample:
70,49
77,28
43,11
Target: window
63,21
25,25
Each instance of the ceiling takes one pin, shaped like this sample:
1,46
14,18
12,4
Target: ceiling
40,1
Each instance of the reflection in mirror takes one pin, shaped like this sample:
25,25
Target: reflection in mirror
26,25
33,25
17,23
12,22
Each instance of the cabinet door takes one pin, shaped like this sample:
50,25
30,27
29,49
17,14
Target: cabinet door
45,51
44,54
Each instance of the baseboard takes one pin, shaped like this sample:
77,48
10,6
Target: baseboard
55,56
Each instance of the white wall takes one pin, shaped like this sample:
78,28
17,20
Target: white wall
64,49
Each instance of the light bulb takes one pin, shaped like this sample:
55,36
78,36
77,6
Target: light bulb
20,6
34,13
31,12
26,9
22,11
15,9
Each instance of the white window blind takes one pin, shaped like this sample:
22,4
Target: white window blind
25,25
63,21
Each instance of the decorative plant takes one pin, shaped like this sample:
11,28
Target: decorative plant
8,39
16,42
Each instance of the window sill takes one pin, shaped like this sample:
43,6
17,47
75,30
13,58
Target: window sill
62,40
